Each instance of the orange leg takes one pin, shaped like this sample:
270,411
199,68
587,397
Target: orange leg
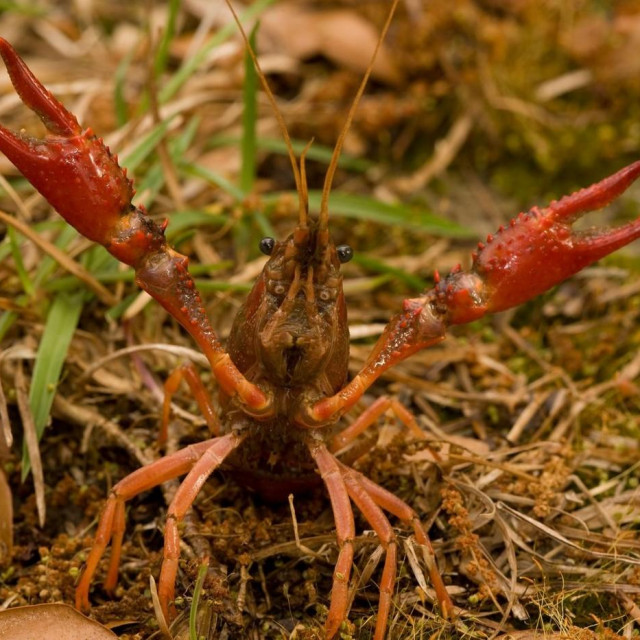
399,508
111,523
210,460
345,532
381,525
188,372
369,416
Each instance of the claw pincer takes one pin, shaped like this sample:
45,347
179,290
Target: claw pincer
81,179
538,250
71,168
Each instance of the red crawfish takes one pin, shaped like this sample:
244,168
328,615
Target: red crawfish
282,378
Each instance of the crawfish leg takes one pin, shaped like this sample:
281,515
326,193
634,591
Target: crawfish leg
189,373
111,523
369,416
345,532
399,508
382,527
209,461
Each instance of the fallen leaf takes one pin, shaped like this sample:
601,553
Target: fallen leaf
59,621
341,35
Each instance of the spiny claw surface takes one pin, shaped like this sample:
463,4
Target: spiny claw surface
535,252
80,178
538,250
71,168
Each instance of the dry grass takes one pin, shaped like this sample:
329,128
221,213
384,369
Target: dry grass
476,112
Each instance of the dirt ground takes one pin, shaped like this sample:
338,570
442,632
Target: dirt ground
475,110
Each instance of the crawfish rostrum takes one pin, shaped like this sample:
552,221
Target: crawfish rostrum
282,378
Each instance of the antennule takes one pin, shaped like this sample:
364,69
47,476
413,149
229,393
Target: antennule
333,165
303,220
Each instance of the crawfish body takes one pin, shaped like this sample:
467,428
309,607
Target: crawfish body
283,377
291,339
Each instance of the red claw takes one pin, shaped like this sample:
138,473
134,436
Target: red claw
537,251
71,168
80,178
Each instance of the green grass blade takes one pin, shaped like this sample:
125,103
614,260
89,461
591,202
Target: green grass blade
317,152
7,318
195,603
162,53
398,215
186,219
59,328
213,178
154,177
25,280
119,101
23,8
146,145
47,264
414,282
192,64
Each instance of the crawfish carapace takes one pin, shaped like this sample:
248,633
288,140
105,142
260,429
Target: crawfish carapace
283,376
292,331
291,339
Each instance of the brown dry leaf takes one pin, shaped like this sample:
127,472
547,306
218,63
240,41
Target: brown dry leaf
59,621
609,46
341,35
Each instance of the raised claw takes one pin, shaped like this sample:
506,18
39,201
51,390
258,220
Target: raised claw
80,178
538,250
535,252
71,168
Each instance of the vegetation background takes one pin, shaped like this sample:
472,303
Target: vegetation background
476,109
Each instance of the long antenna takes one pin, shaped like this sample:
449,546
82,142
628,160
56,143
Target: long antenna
300,187
333,165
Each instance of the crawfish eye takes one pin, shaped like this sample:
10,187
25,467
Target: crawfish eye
345,253
266,245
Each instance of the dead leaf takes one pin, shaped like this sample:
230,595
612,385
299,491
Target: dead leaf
341,35
59,621
607,45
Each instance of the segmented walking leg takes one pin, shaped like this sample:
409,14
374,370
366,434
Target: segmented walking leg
111,524
374,515
345,532
399,508
369,416
210,460
189,374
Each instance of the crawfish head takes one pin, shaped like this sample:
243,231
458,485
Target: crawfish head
296,311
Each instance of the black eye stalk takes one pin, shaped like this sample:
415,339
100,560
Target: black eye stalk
345,253
266,245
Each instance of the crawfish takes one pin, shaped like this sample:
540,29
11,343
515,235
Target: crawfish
282,377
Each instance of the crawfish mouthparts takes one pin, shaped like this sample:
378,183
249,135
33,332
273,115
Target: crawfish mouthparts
283,376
